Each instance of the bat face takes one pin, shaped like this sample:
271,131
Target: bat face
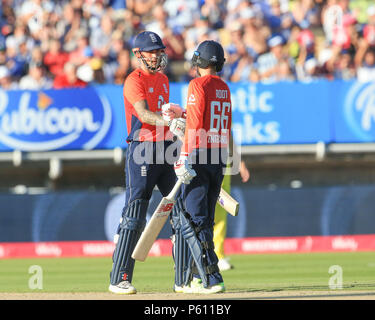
156,223
164,208
152,229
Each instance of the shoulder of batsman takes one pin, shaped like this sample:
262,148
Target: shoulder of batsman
196,81
164,76
133,75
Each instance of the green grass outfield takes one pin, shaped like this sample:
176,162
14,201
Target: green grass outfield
252,273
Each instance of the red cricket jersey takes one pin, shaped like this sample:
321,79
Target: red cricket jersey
208,114
154,88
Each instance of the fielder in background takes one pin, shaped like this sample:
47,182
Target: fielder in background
204,153
146,89
220,226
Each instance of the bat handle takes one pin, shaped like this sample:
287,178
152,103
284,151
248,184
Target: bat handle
175,189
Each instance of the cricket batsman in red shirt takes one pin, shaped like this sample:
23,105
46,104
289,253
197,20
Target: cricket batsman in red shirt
146,90
201,166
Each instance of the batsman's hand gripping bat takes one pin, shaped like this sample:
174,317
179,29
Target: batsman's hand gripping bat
156,223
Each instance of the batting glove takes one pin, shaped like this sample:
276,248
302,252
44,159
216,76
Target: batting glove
172,111
177,127
183,169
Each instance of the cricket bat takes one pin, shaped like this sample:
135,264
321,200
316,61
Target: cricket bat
228,203
156,223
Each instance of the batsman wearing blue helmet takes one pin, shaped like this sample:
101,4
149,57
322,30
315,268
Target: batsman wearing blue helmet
204,154
146,90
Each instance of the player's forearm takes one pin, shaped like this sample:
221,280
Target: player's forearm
149,117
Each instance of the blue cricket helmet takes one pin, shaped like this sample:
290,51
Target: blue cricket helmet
148,41
208,53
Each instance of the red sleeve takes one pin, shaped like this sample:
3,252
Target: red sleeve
134,90
195,109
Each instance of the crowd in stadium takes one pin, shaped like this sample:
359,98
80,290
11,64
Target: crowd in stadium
59,44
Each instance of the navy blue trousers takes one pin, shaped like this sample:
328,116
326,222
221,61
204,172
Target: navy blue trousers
199,199
148,166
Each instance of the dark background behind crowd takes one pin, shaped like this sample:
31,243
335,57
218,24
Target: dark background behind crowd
59,44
